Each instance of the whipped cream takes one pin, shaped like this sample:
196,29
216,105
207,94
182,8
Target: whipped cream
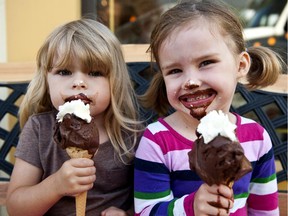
216,123
76,107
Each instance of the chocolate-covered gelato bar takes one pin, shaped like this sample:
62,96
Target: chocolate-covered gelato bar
217,156
76,131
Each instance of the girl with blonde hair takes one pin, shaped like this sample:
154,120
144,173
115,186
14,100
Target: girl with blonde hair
80,57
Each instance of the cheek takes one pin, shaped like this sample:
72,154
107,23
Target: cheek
102,99
55,96
55,99
171,89
172,85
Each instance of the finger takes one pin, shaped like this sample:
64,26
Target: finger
225,191
222,202
86,180
85,171
82,162
220,211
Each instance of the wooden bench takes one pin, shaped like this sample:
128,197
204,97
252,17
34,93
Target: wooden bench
267,106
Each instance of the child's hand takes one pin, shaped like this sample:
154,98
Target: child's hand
75,176
113,211
213,200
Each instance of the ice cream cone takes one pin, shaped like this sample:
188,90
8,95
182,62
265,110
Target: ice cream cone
80,199
230,184
81,204
75,152
76,132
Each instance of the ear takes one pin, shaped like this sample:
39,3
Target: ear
244,64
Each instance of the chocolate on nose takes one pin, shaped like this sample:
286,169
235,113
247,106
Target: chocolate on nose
190,84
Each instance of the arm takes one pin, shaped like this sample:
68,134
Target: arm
152,190
28,195
263,198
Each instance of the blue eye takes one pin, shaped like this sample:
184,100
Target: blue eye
96,73
64,72
174,71
205,63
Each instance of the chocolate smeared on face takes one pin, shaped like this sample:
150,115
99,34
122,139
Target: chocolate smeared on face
198,112
80,96
198,101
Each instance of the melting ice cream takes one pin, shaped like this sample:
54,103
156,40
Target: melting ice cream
217,156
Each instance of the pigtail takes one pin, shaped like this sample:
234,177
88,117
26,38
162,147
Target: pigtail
266,65
156,97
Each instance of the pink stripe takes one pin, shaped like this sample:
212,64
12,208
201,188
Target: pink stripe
169,141
263,202
240,212
244,132
188,203
149,150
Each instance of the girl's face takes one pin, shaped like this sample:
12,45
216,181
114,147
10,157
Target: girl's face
69,82
199,69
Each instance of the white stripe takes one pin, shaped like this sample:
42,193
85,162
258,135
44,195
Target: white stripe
238,204
179,207
140,204
246,120
149,150
256,149
156,127
263,188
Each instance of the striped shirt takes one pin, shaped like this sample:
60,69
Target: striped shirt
165,185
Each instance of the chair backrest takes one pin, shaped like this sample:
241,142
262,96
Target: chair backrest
9,127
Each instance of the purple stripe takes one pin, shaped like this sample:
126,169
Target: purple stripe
150,183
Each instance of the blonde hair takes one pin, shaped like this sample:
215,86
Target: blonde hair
266,65
95,46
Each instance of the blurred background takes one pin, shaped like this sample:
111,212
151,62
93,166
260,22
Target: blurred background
25,24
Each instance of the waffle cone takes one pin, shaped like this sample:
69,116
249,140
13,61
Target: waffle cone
75,152
81,204
230,184
80,199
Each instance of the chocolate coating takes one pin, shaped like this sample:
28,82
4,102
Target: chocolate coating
76,132
218,162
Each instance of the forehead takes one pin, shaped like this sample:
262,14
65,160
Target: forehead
200,30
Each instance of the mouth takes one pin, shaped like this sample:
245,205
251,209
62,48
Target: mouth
81,97
198,99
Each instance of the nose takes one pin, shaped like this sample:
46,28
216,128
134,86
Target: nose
79,84
190,84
